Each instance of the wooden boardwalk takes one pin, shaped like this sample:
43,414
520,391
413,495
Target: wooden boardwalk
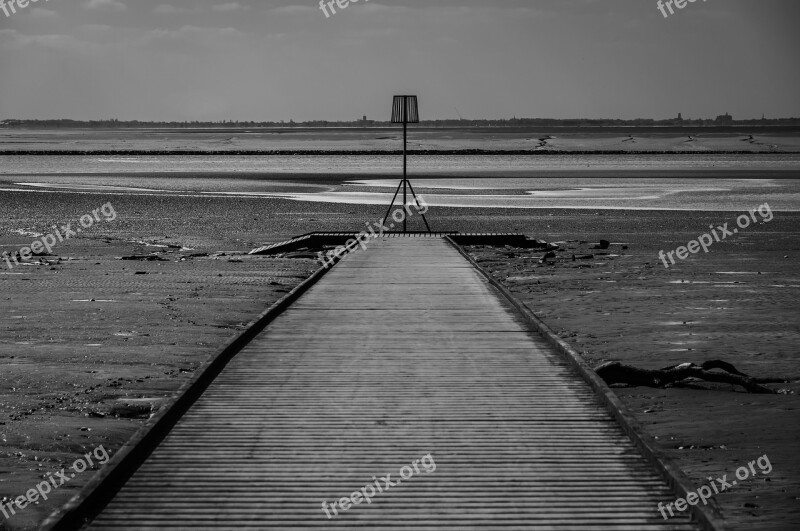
400,351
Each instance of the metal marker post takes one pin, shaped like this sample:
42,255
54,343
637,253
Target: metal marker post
405,111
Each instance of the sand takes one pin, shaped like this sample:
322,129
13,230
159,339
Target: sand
68,359
564,139
739,303
93,345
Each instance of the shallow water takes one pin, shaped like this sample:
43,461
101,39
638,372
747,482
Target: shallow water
383,164
624,182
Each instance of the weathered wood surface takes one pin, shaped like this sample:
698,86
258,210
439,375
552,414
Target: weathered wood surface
400,351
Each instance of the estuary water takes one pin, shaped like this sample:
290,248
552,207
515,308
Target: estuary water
651,182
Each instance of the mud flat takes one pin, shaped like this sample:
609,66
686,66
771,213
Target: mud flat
739,303
736,139
92,344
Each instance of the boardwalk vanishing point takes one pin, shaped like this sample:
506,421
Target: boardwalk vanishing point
401,350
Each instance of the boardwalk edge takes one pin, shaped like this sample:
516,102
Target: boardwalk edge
90,501
708,516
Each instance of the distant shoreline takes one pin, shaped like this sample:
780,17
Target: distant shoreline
411,153
791,125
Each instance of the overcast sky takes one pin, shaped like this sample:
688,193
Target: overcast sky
283,59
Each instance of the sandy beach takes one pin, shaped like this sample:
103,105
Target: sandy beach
744,139
93,344
146,325
737,303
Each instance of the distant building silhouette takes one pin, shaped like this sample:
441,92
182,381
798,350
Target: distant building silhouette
724,119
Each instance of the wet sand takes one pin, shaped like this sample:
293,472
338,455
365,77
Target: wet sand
739,303
744,139
93,345
68,359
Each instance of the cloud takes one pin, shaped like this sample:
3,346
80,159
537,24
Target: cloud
376,8
113,5
293,9
42,13
190,40
67,44
169,9
229,7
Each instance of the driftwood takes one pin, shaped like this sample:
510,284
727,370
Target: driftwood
614,372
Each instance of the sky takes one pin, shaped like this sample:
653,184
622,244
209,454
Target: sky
285,60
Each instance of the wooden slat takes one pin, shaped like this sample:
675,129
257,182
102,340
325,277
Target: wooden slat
400,351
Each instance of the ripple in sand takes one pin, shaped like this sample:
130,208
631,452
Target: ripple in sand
91,187
726,284
690,342
742,272
24,232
